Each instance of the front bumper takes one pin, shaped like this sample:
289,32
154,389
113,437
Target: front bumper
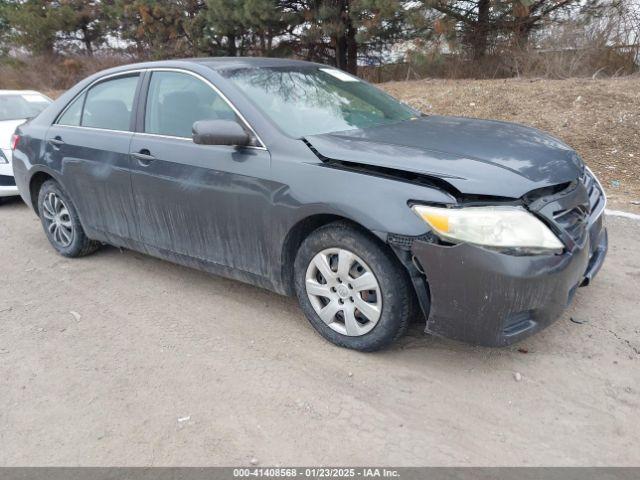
492,299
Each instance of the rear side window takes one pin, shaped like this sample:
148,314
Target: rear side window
177,100
109,104
73,113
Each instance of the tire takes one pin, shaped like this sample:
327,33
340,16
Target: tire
61,223
321,293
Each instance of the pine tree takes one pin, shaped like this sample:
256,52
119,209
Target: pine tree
84,21
160,28
35,24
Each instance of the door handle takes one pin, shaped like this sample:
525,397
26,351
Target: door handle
144,157
57,142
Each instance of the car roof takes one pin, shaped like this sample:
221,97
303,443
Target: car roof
220,63
251,62
213,63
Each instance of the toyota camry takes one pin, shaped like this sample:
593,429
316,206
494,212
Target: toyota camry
305,180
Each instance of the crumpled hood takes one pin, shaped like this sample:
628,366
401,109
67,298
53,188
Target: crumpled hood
7,127
480,157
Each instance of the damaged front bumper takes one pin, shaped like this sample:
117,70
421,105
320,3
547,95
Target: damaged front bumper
493,299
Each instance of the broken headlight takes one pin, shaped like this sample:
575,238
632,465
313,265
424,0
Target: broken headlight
503,228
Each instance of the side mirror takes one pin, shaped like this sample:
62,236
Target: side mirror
220,132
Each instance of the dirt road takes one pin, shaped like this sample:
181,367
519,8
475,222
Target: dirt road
121,359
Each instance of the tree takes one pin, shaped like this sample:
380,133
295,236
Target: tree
160,28
225,23
241,27
339,32
265,22
479,22
84,21
342,31
35,24
5,27
338,19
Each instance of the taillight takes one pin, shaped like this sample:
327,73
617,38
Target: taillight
15,140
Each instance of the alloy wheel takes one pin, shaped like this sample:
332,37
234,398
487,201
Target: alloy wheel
57,219
344,291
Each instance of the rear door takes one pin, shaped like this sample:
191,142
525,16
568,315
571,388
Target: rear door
89,144
207,202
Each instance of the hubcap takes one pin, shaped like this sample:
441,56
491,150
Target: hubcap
57,220
344,292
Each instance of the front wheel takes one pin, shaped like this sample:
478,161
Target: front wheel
352,290
61,223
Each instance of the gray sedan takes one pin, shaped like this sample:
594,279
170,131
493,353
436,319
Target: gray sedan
307,181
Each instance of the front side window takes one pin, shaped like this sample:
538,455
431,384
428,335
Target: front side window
313,100
177,100
109,104
22,105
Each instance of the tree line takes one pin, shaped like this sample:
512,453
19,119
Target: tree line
345,33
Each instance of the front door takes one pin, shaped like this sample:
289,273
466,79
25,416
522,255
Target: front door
90,143
210,203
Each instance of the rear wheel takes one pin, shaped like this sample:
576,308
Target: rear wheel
61,222
352,290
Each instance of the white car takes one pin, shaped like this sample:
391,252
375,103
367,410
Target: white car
16,106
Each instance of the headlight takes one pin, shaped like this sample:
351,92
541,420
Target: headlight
496,227
3,158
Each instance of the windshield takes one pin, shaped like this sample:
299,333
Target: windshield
19,106
313,100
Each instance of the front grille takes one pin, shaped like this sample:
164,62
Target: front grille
578,208
596,195
7,181
574,221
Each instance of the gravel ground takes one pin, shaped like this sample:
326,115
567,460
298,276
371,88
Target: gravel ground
599,118
121,359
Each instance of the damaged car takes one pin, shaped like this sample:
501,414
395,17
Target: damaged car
305,180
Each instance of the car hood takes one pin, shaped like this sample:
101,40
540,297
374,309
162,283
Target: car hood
7,127
477,157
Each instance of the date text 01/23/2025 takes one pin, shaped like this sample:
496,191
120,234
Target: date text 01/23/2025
315,472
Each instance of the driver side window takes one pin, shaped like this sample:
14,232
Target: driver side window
177,100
